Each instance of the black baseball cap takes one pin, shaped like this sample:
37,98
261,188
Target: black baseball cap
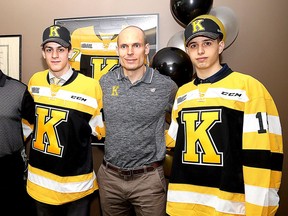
58,34
205,25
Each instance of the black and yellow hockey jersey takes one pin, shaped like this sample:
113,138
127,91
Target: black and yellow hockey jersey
228,149
60,158
94,53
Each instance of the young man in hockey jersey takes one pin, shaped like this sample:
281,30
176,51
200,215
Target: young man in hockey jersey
226,135
60,171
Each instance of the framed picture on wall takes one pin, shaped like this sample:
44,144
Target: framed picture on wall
94,40
10,55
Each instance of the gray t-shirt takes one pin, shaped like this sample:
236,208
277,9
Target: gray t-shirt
134,115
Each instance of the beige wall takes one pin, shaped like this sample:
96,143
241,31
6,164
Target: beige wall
260,49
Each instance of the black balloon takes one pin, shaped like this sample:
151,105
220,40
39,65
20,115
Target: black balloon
173,62
184,11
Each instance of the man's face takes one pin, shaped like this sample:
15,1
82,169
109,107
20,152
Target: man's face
132,49
204,52
56,57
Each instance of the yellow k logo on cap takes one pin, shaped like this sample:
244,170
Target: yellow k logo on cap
197,25
54,31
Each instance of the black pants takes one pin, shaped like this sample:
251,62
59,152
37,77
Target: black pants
15,200
77,208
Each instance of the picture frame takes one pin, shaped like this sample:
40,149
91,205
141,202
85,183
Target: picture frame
94,40
10,55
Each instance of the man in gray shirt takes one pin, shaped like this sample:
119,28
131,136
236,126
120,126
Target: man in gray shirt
136,99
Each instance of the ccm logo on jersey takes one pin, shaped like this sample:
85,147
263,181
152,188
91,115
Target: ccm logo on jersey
231,94
74,97
239,95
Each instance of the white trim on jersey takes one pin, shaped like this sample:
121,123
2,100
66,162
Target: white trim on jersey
67,187
221,205
253,194
225,93
251,123
65,95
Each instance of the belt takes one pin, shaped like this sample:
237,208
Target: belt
130,171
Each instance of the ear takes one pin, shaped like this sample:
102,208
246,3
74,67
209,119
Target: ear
221,46
43,54
147,48
70,54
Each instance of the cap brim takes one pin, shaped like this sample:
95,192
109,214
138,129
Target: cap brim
204,34
56,40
